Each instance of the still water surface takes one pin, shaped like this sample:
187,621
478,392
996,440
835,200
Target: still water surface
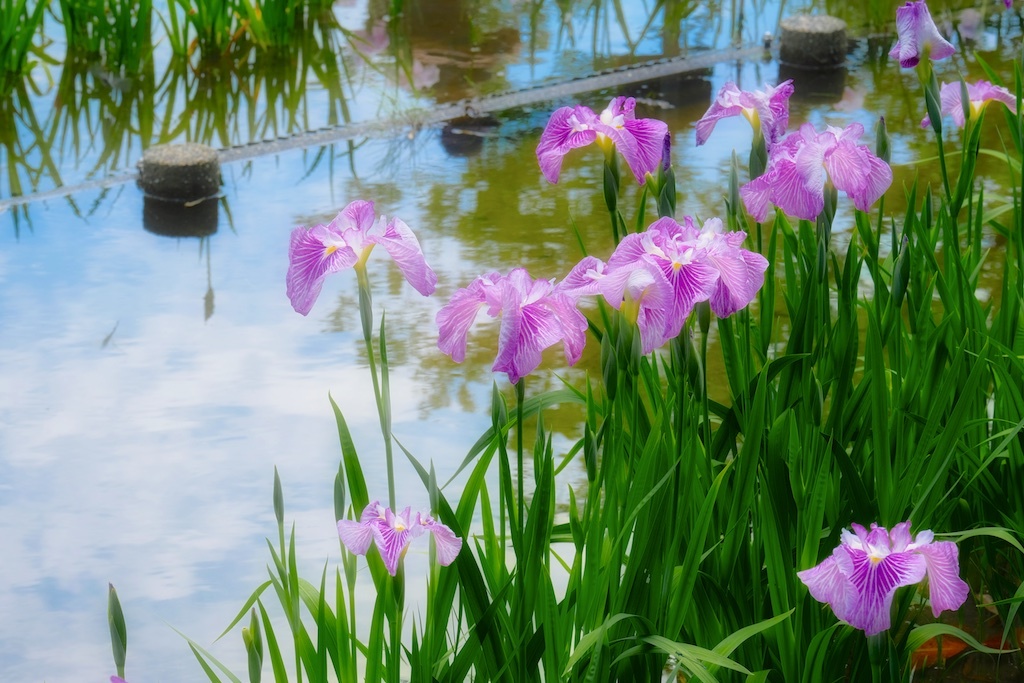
150,384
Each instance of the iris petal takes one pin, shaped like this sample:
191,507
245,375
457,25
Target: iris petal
945,587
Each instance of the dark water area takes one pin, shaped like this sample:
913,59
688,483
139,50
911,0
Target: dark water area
153,376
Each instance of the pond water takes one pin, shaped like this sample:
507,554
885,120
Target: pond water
151,383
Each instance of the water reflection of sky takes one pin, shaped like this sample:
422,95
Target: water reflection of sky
151,384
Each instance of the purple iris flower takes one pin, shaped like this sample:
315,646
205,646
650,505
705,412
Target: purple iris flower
655,277
346,242
979,95
393,532
639,141
116,679
800,164
767,110
917,35
860,578
533,314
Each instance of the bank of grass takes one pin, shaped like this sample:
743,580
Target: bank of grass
871,384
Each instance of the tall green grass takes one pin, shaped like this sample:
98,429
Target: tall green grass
116,31
19,24
868,383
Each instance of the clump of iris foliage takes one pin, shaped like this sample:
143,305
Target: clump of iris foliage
865,476
119,34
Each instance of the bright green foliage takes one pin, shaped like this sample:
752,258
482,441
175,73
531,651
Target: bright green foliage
19,24
869,383
118,630
118,31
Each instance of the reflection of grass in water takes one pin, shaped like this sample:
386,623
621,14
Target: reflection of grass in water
24,151
96,111
230,28
227,104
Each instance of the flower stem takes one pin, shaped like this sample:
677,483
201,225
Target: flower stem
876,657
366,318
520,398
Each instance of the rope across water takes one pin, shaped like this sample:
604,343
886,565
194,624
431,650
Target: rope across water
418,118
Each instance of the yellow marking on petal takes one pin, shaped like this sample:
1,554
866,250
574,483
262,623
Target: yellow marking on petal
399,527
330,250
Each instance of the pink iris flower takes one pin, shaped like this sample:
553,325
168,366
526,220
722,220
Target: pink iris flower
767,110
800,164
859,579
534,316
917,35
346,242
979,94
657,276
639,141
392,534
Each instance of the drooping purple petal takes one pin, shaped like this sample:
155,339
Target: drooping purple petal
740,278
584,278
403,247
568,128
795,193
446,542
859,173
573,325
650,136
979,95
946,590
726,104
917,35
356,536
457,316
778,105
876,580
770,105
831,586
313,253
533,317
984,92
527,328
757,196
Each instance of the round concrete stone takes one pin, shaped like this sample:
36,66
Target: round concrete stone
182,172
812,41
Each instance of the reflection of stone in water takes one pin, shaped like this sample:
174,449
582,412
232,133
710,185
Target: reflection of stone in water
815,85
679,90
176,219
464,136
